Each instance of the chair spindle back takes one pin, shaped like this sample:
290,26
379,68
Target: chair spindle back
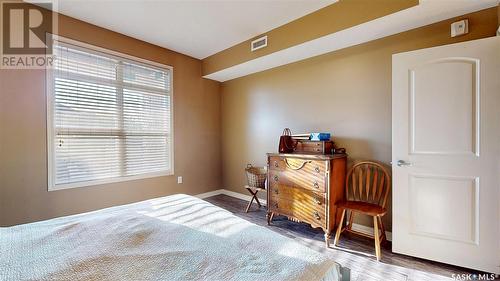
368,182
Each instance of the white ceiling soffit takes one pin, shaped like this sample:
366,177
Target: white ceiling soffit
198,28
427,12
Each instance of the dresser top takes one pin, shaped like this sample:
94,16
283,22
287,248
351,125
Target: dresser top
309,156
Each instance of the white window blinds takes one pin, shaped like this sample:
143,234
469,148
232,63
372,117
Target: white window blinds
110,118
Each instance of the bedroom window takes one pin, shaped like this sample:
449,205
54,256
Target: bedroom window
109,117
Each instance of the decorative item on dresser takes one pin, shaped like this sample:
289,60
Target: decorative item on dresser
314,147
287,143
306,187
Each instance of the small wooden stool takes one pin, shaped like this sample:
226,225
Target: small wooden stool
256,181
253,191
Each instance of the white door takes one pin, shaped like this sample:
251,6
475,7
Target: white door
446,154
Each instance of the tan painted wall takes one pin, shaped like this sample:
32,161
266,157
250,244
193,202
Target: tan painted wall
330,19
23,169
347,92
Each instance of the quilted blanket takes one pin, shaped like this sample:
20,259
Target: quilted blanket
177,237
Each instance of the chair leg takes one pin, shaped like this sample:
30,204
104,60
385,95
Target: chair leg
249,204
382,229
377,238
351,218
339,229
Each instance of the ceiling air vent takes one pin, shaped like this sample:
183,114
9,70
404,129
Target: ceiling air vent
258,43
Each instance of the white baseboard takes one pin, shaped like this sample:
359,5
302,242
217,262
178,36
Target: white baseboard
369,230
355,226
209,194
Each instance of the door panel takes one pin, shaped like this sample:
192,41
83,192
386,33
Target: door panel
448,87
444,207
446,127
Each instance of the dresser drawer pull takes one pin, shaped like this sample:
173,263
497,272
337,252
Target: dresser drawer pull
276,164
275,178
275,205
299,167
317,201
317,216
316,184
276,191
317,169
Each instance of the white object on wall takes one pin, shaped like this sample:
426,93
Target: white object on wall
460,28
258,43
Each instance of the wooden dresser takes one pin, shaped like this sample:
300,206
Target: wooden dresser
305,188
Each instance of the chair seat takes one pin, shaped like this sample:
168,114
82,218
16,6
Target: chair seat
362,207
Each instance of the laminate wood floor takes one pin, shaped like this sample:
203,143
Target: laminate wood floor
356,252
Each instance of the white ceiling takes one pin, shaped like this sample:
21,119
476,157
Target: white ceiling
198,28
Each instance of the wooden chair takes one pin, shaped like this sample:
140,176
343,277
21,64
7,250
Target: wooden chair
367,187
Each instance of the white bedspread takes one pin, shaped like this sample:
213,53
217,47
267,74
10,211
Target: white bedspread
178,237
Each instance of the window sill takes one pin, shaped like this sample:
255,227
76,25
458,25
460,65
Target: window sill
53,187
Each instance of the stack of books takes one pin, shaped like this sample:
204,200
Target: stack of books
313,136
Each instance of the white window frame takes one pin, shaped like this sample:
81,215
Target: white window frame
51,130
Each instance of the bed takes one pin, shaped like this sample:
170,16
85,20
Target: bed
177,237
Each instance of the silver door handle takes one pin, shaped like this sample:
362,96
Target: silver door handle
402,163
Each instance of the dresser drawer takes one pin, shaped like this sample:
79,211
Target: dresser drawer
305,198
305,166
298,210
314,182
